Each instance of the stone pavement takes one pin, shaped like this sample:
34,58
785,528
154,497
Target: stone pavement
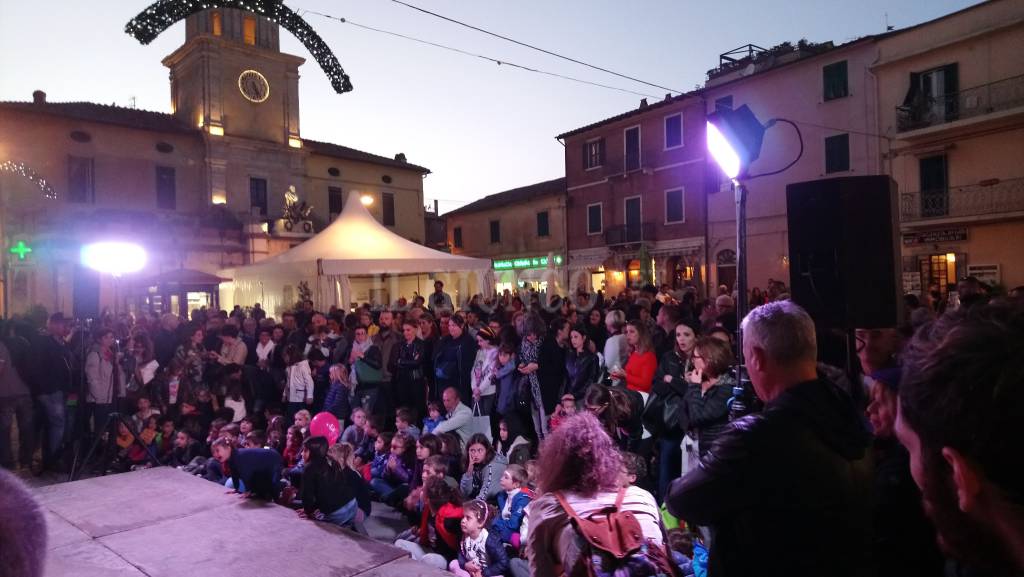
162,522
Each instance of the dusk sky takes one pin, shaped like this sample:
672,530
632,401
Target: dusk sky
481,128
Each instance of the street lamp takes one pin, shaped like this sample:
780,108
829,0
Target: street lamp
366,199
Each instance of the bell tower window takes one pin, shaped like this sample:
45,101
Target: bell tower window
249,30
216,23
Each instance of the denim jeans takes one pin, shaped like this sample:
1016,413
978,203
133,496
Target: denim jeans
53,410
344,516
19,408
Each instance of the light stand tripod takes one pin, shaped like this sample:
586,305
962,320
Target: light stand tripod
110,429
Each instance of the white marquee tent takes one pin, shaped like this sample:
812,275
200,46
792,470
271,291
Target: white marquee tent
355,249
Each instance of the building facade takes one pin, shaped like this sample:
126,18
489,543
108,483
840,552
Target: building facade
522,231
636,199
951,103
201,189
829,92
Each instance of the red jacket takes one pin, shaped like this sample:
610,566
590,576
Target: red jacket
640,369
447,525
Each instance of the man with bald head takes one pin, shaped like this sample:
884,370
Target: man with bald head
459,417
793,483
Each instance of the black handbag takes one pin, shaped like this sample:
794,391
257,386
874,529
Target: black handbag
664,413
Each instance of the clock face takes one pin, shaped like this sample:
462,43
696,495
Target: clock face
254,86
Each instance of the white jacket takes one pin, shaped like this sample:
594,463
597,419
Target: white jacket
299,384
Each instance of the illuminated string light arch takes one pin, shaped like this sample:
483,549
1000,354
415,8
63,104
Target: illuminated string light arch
22,170
161,15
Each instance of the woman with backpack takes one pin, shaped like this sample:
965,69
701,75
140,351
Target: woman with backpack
579,480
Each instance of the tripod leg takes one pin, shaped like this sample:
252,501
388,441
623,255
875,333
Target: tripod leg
88,456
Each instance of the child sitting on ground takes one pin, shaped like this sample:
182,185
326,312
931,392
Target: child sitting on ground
353,434
564,410
434,417
404,419
434,467
680,545
451,448
255,440
531,475
343,453
481,552
293,446
512,502
185,449
165,439
436,543
302,419
145,411
381,451
372,429
393,481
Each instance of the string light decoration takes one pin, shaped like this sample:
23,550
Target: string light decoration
161,15
22,170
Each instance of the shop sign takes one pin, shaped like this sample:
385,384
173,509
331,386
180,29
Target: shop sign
527,262
986,273
937,236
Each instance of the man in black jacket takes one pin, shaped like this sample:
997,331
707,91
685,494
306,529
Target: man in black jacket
786,491
51,374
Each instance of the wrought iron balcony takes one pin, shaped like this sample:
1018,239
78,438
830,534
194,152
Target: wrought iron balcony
990,198
985,99
629,233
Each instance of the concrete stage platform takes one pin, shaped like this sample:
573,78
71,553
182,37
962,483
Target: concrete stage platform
165,523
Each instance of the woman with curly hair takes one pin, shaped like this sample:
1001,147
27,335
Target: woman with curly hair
580,463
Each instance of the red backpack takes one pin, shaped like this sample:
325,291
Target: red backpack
614,544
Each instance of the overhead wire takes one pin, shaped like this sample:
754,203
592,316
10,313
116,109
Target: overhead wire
532,47
497,61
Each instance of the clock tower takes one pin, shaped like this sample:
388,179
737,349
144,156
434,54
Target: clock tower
231,79
231,74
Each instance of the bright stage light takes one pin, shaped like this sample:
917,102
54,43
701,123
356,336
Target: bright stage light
366,199
734,140
723,154
116,258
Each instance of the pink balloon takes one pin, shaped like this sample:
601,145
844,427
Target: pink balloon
325,425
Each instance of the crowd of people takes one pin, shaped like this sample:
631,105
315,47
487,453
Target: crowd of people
528,436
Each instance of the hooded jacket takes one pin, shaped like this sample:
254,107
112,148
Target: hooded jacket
792,484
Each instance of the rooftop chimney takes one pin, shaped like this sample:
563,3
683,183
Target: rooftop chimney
39,97
643,103
400,157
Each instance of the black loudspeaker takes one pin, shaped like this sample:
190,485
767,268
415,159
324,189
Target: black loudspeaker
844,251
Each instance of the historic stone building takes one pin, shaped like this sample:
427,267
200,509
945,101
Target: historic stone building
201,188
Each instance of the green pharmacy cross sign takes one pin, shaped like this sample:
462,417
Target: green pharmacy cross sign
21,249
527,262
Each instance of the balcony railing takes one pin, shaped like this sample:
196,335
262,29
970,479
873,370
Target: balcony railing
629,233
985,99
999,197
